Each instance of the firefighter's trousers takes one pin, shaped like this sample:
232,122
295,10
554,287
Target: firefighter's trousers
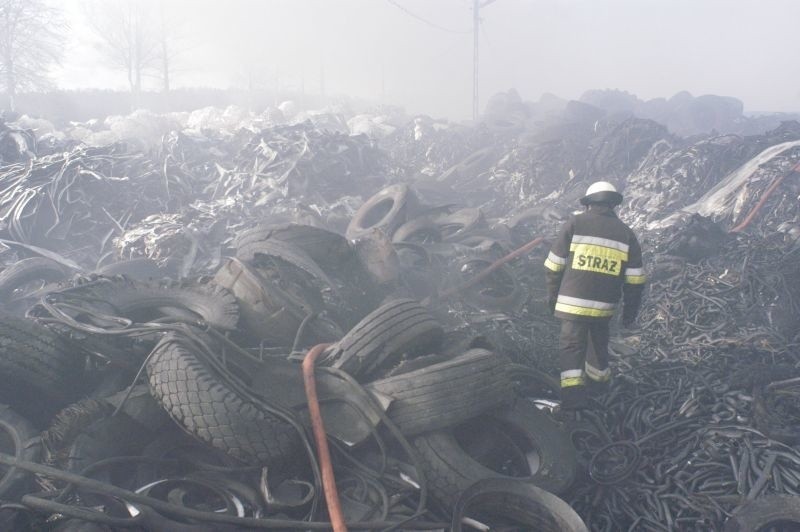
584,356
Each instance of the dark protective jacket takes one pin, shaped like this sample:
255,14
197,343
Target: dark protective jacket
594,260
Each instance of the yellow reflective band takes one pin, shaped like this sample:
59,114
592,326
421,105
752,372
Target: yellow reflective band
584,311
571,381
600,259
635,279
552,266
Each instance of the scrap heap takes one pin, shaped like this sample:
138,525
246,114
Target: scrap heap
160,296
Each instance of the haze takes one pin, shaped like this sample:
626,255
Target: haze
376,50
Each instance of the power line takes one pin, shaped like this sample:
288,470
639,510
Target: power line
426,21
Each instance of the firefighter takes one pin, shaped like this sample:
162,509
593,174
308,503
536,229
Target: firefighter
595,257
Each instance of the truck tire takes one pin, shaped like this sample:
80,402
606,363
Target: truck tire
141,269
454,227
289,254
211,303
15,439
422,230
210,411
499,291
773,509
401,326
27,270
520,502
451,468
325,247
446,393
38,374
386,210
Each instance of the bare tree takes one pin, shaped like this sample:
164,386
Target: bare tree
31,39
127,37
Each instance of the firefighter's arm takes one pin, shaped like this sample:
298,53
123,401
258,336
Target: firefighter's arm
556,262
633,287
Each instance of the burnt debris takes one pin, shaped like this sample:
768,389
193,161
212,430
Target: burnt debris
160,291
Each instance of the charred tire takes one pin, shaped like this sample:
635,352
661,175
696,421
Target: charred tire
271,311
531,382
470,166
520,502
325,247
773,509
77,525
212,303
38,373
386,210
287,253
140,269
509,295
446,394
209,410
15,439
172,443
451,469
27,270
401,326
419,230
459,224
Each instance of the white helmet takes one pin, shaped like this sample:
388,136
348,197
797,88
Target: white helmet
602,192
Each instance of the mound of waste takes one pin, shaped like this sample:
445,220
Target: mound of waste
178,316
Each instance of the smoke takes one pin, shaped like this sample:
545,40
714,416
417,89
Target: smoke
418,53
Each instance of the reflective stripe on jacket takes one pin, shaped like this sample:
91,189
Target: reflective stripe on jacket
595,258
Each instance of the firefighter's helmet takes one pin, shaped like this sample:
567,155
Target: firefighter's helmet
602,192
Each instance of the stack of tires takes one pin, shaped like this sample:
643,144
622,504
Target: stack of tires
441,247
459,410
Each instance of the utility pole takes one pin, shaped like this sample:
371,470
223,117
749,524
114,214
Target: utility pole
477,5
475,57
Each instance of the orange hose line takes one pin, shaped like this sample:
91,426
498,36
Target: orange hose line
775,183
321,439
492,267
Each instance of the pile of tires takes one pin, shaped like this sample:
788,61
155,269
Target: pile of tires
131,361
440,248
459,409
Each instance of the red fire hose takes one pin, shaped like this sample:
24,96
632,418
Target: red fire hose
767,193
492,267
320,437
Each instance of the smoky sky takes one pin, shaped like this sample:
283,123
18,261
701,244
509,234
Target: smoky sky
375,50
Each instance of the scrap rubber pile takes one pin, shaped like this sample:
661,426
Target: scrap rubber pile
158,306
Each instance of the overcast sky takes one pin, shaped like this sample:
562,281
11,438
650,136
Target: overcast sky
372,48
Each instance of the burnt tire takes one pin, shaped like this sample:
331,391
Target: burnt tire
139,301
469,167
288,254
325,247
461,223
28,270
446,393
760,514
37,371
140,269
386,210
499,291
401,326
422,230
16,435
451,468
213,413
525,505
533,383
